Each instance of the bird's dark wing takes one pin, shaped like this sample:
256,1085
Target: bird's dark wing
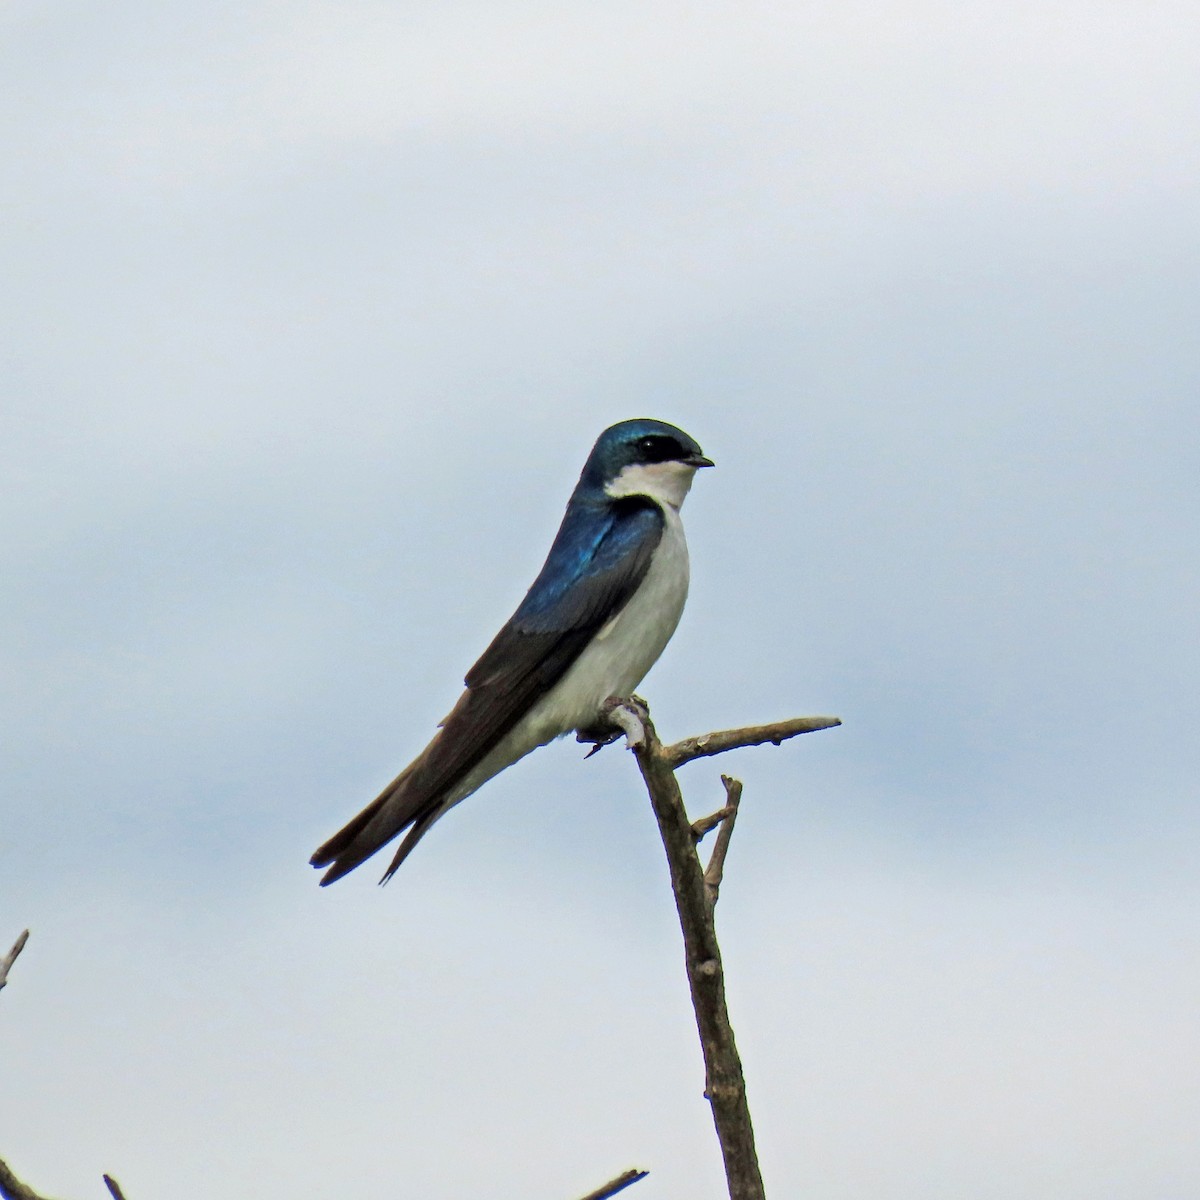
596,563
598,560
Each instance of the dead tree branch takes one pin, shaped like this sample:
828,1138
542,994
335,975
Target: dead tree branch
703,826
11,957
715,870
613,1186
696,889
708,744
11,1188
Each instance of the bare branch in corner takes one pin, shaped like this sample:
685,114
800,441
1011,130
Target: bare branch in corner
11,957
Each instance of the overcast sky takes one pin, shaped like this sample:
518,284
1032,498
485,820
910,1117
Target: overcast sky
311,313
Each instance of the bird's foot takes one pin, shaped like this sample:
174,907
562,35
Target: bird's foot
629,714
620,716
600,736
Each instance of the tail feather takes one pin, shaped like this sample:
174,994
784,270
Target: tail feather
420,827
397,807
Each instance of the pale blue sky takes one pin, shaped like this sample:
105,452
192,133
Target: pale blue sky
311,315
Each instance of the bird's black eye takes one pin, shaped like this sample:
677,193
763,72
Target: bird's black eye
655,448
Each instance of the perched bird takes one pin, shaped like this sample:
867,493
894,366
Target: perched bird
597,617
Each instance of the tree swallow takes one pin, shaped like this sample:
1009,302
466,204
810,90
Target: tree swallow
597,617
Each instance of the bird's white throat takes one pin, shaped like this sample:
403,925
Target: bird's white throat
664,483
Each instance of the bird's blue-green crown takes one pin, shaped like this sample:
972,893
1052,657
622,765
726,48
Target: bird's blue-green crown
638,442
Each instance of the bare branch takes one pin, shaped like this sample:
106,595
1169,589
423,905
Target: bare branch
703,826
11,957
11,1188
725,1085
696,892
613,1186
708,744
716,864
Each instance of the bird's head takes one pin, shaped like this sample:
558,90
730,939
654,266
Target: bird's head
644,457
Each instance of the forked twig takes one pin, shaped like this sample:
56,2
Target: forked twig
716,863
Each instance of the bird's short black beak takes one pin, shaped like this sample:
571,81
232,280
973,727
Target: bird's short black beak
698,460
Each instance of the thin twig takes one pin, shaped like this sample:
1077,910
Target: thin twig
716,864
11,1188
703,826
114,1188
11,957
751,735
613,1186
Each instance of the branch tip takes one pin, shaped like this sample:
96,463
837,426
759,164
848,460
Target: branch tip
778,732
715,870
613,1186
11,957
114,1188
